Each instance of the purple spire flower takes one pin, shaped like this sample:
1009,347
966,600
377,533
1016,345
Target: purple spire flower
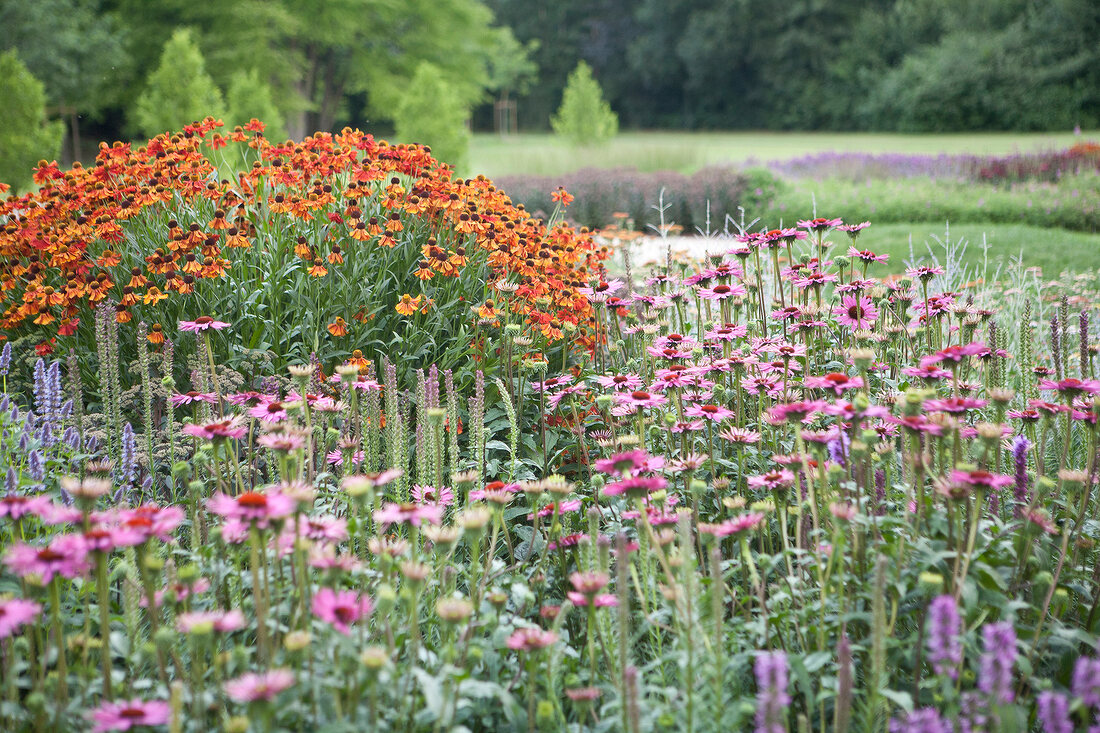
129,457
36,467
5,359
922,720
1020,447
1086,681
944,627
771,697
1053,710
998,658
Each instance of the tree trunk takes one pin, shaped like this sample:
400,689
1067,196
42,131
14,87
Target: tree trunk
74,132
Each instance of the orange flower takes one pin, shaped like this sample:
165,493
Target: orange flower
318,269
156,334
357,360
109,258
338,327
359,231
336,256
562,196
154,296
408,304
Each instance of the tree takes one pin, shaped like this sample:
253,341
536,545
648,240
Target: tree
584,117
432,113
179,91
25,136
72,49
248,97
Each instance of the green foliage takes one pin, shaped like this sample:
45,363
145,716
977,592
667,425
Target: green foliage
584,116
179,91
25,137
431,112
247,97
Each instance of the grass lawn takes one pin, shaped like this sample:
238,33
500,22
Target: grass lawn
544,154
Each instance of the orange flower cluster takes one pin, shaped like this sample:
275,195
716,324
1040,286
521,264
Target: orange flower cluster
90,235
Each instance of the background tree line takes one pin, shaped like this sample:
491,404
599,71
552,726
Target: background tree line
112,69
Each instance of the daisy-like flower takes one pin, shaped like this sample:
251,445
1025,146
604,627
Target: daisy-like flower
556,398
126,714
341,608
721,292
17,506
531,639
252,507
414,514
857,312
954,354
202,323
66,555
430,495
230,429
256,686
982,479
284,441
866,255
640,400
772,480
955,404
635,487
924,272
740,436
728,332
714,413
734,527
552,383
836,381
15,613
853,230
269,411
620,382
929,373
222,622
820,224
187,398
623,464
1071,386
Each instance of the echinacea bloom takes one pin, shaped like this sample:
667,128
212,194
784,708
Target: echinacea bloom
640,399
229,429
714,413
252,507
341,608
635,487
772,480
721,292
17,506
601,291
955,404
269,411
734,527
857,312
202,323
530,639
982,479
740,436
188,398
222,622
66,555
444,496
836,381
254,686
414,514
820,224
621,382
16,612
126,714
1071,386
866,255
622,464
954,354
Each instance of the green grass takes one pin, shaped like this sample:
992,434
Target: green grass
544,154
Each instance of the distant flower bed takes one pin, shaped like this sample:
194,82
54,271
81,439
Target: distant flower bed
321,245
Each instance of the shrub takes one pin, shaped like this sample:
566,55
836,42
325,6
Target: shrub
332,244
431,113
249,98
179,90
24,135
584,117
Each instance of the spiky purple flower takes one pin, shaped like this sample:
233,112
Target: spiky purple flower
944,627
998,658
922,720
1053,712
771,697
1086,681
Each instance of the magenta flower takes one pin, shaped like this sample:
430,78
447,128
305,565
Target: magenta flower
269,411
1072,387
531,639
924,272
341,608
202,323
740,436
820,224
230,429
17,506
259,686
837,382
727,333
66,555
721,292
601,291
252,507
430,495
954,354
714,413
153,521
930,372
635,487
981,479
552,383
284,442
622,464
734,527
772,480
620,382
16,612
188,398
857,312
854,229
222,622
127,714
866,255
955,404
414,514
640,399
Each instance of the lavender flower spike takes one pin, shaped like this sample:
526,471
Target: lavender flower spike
1053,710
771,698
998,659
944,645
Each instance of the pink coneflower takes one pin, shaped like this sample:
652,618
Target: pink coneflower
857,312
282,441
621,382
713,413
734,527
621,464
127,714
955,404
772,480
430,495
66,555
327,404
639,399
820,224
583,694
866,255
269,411
668,352
813,279
835,381
325,529
572,505
853,230
252,506
223,622
248,398
601,291
740,436
106,539
1071,386
336,457
954,354
982,479
924,272
17,506
531,639
552,383
721,292
341,608
15,613
683,426
187,398
230,429
917,424
728,332
687,463
790,313
795,411
675,341
676,376
930,372
202,323
556,398
254,686
414,514
635,487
